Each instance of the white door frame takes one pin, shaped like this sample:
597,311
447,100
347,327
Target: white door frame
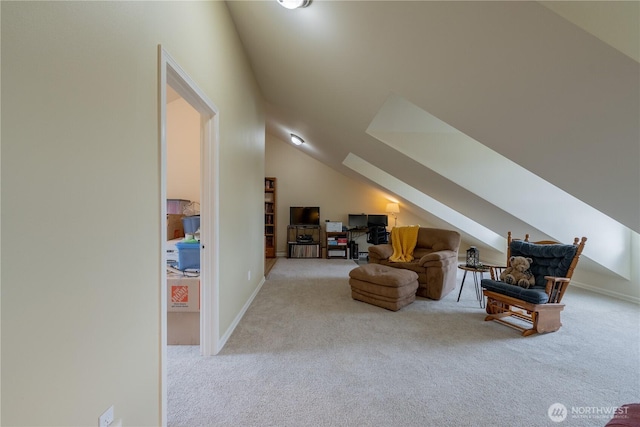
170,73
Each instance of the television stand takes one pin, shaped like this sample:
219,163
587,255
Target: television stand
303,241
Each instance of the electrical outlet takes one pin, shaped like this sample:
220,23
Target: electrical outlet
107,417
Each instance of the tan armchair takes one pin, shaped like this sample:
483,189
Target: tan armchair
436,261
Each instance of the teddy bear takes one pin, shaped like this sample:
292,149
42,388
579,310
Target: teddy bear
518,272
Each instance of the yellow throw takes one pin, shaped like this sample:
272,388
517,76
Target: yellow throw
403,240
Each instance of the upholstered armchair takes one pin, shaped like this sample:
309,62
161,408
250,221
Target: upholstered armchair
435,261
540,305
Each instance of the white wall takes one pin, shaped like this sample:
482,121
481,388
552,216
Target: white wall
81,250
183,151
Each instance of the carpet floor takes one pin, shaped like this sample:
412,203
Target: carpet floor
307,354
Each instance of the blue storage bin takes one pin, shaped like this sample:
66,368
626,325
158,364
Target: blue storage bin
188,255
191,224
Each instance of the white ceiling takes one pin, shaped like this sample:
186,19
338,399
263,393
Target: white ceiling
514,76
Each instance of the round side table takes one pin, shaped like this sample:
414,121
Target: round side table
476,282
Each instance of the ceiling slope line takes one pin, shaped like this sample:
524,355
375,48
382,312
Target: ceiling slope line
443,149
429,204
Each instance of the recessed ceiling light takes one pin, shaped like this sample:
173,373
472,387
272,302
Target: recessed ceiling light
296,139
294,4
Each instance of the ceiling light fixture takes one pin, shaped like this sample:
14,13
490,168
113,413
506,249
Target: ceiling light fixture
294,4
296,139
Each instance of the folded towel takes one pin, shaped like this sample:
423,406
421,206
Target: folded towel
403,241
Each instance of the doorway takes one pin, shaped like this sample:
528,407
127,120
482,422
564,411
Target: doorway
172,75
183,216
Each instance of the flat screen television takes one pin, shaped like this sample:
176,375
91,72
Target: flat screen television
377,220
304,215
357,221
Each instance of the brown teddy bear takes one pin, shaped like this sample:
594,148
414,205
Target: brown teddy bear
518,272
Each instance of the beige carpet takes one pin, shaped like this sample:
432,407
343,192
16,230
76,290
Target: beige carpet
306,354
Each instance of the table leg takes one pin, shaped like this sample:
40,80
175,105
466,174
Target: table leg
478,289
464,276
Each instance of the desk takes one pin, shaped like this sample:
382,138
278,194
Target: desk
354,235
476,282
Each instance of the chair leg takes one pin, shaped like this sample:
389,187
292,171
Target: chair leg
547,318
543,317
531,331
495,307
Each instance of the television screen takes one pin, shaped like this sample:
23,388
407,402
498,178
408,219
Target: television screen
299,215
377,220
357,221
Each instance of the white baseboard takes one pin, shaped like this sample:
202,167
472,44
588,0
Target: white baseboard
606,292
224,338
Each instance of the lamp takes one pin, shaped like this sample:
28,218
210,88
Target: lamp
294,4
296,139
393,209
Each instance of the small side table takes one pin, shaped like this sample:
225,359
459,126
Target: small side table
476,282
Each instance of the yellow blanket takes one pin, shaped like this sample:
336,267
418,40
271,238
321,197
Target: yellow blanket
403,240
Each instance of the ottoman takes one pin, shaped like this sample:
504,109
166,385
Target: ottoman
387,287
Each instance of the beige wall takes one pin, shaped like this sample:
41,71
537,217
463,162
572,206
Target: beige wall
304,181
614,22
183,151
81,250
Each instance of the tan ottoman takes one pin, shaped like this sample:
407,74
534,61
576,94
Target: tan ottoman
386,287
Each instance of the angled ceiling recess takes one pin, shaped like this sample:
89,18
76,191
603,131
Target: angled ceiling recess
420,136
425,202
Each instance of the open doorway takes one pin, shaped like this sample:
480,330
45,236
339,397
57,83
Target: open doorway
172,75
183,219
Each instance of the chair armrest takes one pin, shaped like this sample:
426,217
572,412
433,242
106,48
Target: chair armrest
383,251
495,270
556,279
555,287
437,256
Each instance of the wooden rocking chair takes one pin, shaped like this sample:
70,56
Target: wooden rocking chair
538,307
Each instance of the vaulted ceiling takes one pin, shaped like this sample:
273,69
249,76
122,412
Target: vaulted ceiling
518,78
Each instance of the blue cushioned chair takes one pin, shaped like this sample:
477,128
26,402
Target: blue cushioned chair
538,307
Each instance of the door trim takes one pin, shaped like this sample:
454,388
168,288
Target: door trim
171,73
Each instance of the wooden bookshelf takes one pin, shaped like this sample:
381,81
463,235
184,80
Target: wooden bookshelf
270,217
337,244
